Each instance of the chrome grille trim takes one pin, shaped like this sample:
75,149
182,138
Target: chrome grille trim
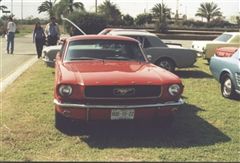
89,106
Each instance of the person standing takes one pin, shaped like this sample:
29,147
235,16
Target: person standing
39,38
11,29
52,31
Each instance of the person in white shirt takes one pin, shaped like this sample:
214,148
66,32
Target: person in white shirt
52,31
11,29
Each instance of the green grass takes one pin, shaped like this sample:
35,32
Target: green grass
24,30
206,128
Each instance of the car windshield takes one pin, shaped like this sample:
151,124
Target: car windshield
103,49
223,37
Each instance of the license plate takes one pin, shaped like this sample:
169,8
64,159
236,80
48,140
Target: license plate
118,114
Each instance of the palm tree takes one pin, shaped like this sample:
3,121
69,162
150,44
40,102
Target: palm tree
68,6
75,5
208,10
162,12
65,7
110,11
2,7
47,6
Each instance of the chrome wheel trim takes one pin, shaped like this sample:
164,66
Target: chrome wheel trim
227,87
165,64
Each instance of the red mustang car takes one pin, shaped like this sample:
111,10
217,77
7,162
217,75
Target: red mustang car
101,77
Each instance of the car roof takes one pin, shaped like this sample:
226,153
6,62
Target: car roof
131,33
100,37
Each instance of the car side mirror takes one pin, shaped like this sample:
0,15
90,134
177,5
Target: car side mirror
58,56
149,57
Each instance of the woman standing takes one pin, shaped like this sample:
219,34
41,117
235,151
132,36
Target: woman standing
39,38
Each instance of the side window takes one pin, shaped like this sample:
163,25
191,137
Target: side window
146,43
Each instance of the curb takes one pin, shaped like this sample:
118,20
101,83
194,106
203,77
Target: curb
11,78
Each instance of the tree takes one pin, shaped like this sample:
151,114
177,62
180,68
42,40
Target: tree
47,6
208,10
162,12
110,11
128,20
2,7
238,20
142,19
65,7
90,23
68,6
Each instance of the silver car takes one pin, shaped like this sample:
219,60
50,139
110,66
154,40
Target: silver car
159,53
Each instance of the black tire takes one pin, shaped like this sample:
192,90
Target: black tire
167,64
227,87
64,124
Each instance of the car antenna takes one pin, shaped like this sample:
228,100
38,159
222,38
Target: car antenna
63,18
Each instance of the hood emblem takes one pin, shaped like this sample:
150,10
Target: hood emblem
124,91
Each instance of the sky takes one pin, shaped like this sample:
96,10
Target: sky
131,7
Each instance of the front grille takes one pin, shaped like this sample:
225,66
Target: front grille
140,91
237,75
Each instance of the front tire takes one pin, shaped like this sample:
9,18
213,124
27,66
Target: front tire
227,87
166,64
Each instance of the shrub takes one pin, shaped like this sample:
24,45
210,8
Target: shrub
127,20
142,19
90,23
219,23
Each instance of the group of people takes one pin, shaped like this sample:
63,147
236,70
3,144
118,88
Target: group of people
41,37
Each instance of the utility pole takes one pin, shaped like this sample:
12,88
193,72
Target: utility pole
22,9
11,7
96,6
177,11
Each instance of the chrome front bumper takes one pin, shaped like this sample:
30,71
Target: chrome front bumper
89,106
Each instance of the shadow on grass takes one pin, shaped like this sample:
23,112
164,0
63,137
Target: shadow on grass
192,74
188,130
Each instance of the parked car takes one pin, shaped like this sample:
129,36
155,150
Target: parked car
164,55
107,30
101,77
208,48
49,54
225,67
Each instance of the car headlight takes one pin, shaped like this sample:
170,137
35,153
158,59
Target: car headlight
174,89
65,90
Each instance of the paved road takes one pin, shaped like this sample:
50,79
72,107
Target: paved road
24,51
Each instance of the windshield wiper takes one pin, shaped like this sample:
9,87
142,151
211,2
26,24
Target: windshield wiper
85,58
